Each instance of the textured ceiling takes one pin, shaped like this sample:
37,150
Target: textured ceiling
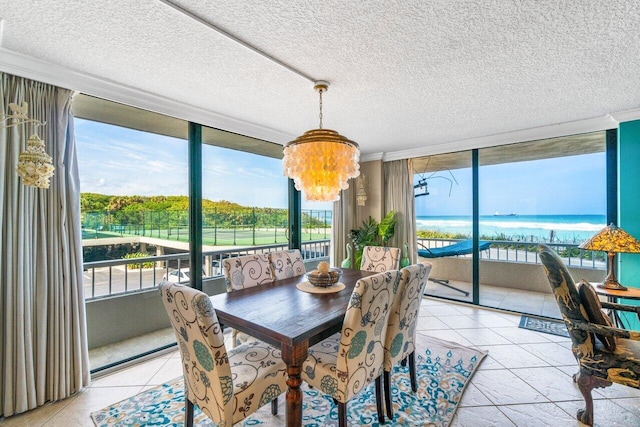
404,74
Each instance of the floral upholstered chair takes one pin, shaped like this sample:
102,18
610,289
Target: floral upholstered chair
245,272
380,258
605,354
345,363
287,264
227,387
401,329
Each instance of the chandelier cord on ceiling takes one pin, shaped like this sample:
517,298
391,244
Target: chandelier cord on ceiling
235,39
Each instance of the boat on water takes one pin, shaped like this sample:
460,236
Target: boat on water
499,214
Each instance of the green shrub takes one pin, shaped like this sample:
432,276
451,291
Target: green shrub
147,264
433,234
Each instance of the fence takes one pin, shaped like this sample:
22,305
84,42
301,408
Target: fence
248,226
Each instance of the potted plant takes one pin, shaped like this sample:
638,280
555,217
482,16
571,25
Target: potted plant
372,233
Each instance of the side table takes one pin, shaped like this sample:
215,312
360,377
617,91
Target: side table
613,295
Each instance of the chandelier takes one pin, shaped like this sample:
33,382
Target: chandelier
321,161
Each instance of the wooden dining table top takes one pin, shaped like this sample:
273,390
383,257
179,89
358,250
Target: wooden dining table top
280,313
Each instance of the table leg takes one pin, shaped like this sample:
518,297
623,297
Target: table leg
294,356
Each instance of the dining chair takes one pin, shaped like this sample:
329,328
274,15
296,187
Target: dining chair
245,272
226,386
401,330
343,364
380,258
287,264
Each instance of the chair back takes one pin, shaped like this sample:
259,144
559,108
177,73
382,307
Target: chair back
287,264
205,365
380,258
246,271
401,329
568,300
361,350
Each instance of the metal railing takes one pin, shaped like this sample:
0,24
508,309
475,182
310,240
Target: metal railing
114,277
527,252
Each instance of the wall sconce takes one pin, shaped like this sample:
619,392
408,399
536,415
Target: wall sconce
361,195
35,166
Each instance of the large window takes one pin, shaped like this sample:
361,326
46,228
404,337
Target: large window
550,191
135,195
133,167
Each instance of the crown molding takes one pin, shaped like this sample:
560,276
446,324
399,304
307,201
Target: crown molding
371,157
626,116
32,68
543,132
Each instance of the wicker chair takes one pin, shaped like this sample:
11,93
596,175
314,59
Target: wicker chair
245,272
380,258
226,386
343,364
614,357
401,330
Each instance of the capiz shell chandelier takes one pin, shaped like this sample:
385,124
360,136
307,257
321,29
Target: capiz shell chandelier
321,161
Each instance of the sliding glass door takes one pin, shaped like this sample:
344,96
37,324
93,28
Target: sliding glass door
443,200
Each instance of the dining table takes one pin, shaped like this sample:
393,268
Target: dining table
291,319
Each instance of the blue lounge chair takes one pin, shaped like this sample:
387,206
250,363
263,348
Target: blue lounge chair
463,247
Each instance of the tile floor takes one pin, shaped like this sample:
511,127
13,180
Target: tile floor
535,303
524,381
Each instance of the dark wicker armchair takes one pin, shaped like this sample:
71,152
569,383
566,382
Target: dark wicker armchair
614,357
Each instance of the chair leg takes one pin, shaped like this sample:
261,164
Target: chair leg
274,406
234,334
342,414
586,383
188,413
412,371
387,394
403,362
379,399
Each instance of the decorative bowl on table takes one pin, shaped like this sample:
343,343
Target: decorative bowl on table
324,280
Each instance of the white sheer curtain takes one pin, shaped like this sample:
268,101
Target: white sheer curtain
343,219
398,197
43,341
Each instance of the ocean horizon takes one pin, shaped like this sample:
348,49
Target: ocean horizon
565,228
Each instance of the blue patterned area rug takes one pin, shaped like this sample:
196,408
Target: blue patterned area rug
555,327
443,371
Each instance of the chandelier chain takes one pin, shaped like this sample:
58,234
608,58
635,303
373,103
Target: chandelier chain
320,90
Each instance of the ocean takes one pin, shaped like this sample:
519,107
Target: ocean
537,228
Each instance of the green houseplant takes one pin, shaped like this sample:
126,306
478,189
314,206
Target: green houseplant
372,233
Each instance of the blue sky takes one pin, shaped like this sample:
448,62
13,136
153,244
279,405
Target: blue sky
565,185
119,161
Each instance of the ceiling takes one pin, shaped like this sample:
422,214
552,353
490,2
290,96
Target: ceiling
406,76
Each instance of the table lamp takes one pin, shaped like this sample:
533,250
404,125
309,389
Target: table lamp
612,240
